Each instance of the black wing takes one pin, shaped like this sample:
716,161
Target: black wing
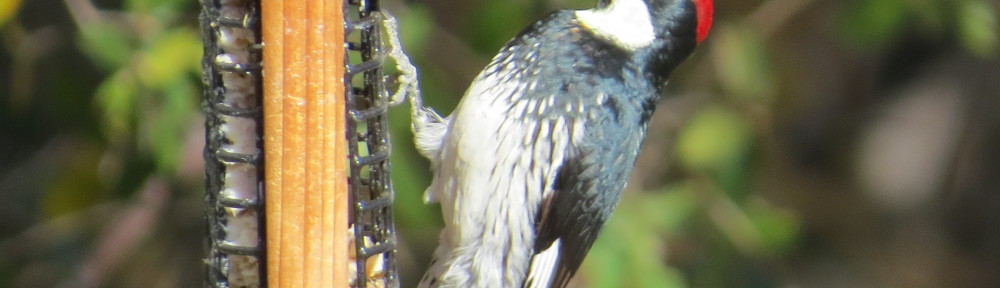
585,192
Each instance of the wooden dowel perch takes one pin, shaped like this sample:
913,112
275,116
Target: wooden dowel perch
305,148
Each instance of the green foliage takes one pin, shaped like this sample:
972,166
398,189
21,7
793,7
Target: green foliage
496,22
415,30
744,66
779,229
170,121
978,27
116,98
717,142
7,9
107,44
169,57
106,96
146,97
875,22
878,23
152,94
164,10
75,186
628,253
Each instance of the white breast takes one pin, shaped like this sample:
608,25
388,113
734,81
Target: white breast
495,168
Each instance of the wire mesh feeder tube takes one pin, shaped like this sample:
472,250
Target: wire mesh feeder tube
368,144
231,73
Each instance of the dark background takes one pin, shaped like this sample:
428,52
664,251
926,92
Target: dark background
806,143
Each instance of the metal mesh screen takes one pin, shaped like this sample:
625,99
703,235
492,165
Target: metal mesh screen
233,153
368,144
234,170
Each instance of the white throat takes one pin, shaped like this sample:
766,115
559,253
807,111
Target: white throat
625,22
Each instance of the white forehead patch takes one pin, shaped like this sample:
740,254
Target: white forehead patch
625,23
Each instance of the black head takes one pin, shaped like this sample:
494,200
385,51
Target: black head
658,34
682,19
680,25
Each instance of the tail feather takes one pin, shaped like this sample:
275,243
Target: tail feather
429,129
432,278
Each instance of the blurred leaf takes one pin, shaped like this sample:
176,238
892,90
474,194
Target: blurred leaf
647,250
715,141
630,252
415,30
606,264
106,44
174,54
7,9
978,27
930,17
164,10
653,272
76,184
666,211
169,121
778,229
874,23
116,103
496,22
743,64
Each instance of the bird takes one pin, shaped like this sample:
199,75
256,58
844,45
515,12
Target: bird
533,160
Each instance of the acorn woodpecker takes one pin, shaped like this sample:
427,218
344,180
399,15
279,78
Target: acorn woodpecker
535,157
